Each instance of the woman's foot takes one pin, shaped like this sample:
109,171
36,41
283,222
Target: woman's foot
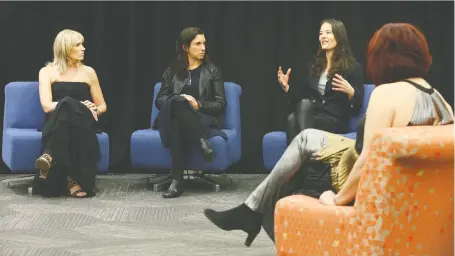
75,189
207,151
44,162
238,218
174,190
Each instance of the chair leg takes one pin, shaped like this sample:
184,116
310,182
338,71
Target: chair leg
215,183
208,180
30,190
21,180
159,182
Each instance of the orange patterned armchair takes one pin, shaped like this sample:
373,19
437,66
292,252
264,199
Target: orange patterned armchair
404,205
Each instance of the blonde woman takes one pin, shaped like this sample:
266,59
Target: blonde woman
72,100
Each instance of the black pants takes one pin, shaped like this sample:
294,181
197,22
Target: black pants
306,117
187,130
311,180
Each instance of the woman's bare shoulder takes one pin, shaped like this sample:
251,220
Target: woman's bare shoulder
396,90
50,72
88,69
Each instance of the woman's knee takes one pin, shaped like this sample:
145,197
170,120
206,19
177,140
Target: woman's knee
305,103
303,136
176,124
309,132
291,118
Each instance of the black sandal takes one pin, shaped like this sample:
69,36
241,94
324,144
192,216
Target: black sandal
72,184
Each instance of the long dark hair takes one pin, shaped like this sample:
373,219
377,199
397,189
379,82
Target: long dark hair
342,57
180,64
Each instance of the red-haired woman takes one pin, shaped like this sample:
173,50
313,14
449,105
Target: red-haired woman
398,59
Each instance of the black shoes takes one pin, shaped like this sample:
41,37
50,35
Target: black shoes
174,190
238,218
207,151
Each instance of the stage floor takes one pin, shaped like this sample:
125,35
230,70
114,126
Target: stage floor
125,218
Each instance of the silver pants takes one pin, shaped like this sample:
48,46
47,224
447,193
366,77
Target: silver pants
304,147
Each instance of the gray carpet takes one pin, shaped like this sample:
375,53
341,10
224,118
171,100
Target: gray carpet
125,218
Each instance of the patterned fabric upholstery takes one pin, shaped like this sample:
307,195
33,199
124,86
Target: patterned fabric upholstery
404,205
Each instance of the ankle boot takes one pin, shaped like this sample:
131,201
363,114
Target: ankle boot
174,190
238,218
207,151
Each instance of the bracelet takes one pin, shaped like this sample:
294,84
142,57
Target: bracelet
97,111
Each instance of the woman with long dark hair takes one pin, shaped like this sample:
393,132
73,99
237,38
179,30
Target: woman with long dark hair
191,100
334,91
402,98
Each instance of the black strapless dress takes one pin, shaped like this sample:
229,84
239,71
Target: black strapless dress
69,136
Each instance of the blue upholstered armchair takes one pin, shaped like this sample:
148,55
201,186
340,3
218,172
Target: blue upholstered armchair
147,151
23,115
274,143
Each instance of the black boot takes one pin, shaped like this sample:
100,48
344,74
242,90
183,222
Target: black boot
207,151
174,190
238,218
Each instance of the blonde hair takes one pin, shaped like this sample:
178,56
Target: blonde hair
63,43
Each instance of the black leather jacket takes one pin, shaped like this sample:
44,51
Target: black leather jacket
212,97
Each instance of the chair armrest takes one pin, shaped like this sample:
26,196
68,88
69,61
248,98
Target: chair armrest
303,226
405,195
404,203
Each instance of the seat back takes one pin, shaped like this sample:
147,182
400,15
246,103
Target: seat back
368,89
231,117
22,106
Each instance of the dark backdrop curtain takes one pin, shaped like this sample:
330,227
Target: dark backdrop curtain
131,43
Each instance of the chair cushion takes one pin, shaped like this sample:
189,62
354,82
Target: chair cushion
148,151
351,135
21,147
273,146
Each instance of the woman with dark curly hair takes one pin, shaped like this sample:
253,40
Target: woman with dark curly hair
334,92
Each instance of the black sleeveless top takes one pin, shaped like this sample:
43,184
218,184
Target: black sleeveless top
76,90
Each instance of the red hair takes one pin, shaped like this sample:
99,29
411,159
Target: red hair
397,51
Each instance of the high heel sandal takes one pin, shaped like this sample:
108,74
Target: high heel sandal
43,174
72,184
43,163
238,218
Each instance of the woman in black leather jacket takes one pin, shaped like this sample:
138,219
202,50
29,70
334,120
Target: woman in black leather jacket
191,101
334,92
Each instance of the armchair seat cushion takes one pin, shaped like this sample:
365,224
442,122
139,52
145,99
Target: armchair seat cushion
21,147
22,117
148,151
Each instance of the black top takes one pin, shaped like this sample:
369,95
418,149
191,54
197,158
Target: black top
192,85
360,134
77,90
211,97
333,105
